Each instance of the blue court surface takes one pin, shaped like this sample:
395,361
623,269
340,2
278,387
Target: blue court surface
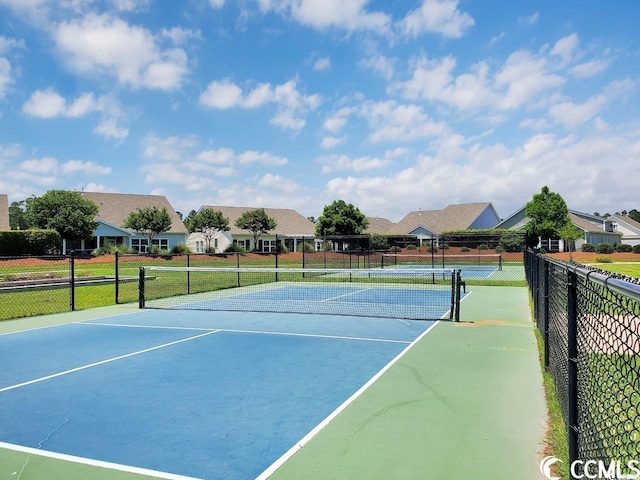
215,395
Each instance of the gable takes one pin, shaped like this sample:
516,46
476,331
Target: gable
289,222
114,208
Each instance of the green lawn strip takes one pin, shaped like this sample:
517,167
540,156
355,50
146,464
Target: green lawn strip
628,269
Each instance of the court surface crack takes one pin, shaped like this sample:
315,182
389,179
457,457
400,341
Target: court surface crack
67,419
428,387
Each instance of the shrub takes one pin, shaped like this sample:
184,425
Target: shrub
181,249
483,246
499,249
512,242
411,247
306,247
636,248
464,249
624,248
603,259
30,242
444,246
605,248
588,247
233,248
395,249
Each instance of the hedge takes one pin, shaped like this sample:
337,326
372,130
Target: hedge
29,242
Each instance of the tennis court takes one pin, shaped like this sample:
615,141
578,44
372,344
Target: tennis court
203,394
171,393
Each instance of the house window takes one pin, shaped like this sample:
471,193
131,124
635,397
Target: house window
199,246
161,243
139,245
267,245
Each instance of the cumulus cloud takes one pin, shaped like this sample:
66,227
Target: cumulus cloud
49,104
291,104
103,44
437,16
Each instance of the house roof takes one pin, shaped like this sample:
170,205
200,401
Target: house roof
584,224
289,222
453,217
4,212
379,225
628,220
114,208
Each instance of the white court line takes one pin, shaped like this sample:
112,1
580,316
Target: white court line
70,322
307,438
258,332
132,325
94,463
102,362
347,294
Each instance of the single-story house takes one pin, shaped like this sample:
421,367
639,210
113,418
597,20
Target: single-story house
4,212
594,229
628,227
426,225
291,229
113,209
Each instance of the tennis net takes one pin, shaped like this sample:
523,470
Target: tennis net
487,261
419,294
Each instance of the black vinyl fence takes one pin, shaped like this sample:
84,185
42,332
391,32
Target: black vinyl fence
590,322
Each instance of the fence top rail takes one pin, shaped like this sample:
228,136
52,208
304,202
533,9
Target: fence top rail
611,282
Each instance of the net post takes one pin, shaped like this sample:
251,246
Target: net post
72,282
458,288
117,276
500,262
188,275
141,288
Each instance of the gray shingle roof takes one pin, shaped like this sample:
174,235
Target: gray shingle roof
379,225
289,221
453,217
114,208
4,212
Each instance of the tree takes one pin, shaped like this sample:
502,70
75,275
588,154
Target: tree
341,218
570,233
149,222
17,220
548,213
71,215
634,214
257,222
209,223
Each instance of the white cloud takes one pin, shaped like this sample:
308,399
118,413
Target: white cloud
437,16
522,78
291,104
222,95
264,158
5,76
322,64
90,168
50,104
332,163
347,15
180,36
571,114
565,48
380,64
102,44
531,19
216,3
332,142
589,69
45,104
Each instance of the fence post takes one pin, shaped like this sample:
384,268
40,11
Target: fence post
72,282
141,288
117,276
572,363
545,312
188,274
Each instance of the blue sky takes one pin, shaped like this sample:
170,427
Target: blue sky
393,105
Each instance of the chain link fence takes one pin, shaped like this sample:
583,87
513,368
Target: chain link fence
590,323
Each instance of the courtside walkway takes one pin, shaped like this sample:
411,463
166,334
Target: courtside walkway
466,402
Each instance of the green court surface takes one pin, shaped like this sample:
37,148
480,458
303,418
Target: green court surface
465,402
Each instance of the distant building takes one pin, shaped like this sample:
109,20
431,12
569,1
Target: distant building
291,229
113,209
